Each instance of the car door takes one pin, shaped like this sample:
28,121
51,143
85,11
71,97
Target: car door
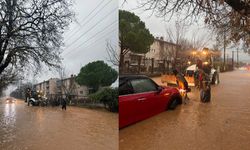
128,104
147,97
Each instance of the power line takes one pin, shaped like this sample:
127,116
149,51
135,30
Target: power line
94,35
90,18
98,39
101,37
97,12
97,33
91,12
92,27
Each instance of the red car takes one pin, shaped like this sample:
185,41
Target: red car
140,98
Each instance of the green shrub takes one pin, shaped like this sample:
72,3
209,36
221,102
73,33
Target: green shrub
107,96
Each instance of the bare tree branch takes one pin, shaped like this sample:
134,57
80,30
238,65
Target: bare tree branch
232,16
31,31
67,84
113,55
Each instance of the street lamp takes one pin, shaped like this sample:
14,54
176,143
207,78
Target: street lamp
205,63
194,53
204,52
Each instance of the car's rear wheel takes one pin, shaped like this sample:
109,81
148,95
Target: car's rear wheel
173,104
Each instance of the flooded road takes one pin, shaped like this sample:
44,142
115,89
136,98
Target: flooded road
222,124
47,128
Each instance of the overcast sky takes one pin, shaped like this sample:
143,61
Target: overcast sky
157,26
96,22
85,40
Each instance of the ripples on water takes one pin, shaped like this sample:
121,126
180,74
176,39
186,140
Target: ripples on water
220,125
45,128
7,122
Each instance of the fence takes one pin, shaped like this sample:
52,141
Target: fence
55,99
152,66
147,66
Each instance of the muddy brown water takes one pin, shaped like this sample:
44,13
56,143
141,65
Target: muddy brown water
47,128
222,124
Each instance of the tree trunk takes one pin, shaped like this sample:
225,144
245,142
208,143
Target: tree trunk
164,68
121,63
139,65
152,64
239,6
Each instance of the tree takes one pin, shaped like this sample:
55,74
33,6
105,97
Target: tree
113,56
109,97
21,90
176,35
229,16
96,74
9,76
68,88
31,32
183,52
133,35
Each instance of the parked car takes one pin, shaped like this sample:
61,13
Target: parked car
140,98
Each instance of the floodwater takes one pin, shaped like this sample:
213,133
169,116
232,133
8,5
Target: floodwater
25,127
222,124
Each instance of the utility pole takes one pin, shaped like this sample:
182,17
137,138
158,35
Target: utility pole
237,57
233,59
224,61
227,58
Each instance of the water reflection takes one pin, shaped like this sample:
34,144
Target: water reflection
25,127
7,123
9,118
222,124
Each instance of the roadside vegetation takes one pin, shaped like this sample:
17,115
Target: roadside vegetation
108,97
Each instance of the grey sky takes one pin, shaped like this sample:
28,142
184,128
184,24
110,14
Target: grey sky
85,40
92,34
157,26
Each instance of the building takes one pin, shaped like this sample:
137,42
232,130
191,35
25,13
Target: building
162,50
162,54
48,88
55,87
69,86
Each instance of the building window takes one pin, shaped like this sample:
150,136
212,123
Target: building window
81,92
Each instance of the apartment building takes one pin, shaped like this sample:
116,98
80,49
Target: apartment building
47,87
71,87
161,50
161,53
62,87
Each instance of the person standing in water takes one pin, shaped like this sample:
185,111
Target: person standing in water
182,85
64,103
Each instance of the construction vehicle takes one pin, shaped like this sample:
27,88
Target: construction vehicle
200,59
37,98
